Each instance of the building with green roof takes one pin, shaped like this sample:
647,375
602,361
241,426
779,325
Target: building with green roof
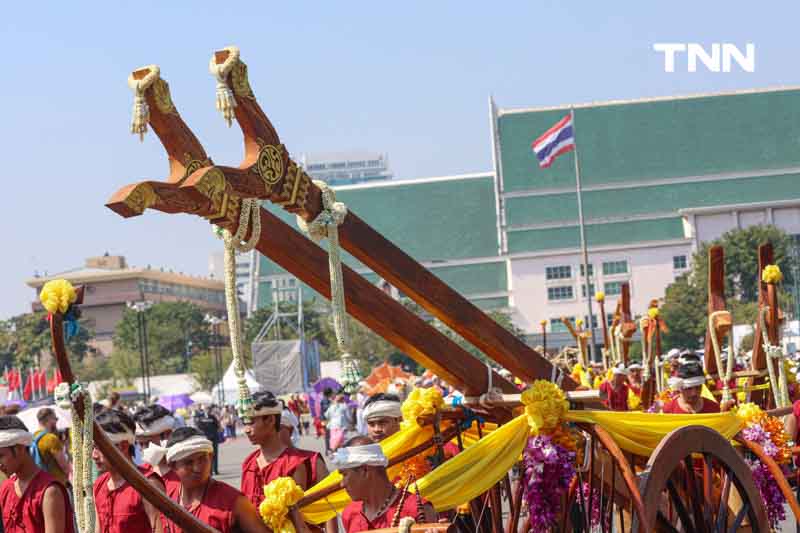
659,176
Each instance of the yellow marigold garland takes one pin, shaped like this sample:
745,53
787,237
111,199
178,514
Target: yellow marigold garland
545,406
279,495
419,403
57,295
599,296
772,274
653,312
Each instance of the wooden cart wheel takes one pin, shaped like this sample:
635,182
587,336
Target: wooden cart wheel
710,491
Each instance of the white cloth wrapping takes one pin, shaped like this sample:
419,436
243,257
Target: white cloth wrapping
677,383
383,409
159,426
154,454
288,419
635,366
116,438
355,456
620,371
13,437
183,449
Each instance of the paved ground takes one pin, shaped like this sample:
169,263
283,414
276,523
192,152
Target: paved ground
233,451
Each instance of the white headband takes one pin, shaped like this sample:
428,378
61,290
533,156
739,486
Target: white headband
635,366
383,409
153,454
12,437
183,449
159,426
620,371
686,383
264,411
355,456
116,438
288,419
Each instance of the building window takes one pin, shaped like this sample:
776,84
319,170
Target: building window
586,321
563,292
557,326
591,270
558,272
679,262
615,267
612,287
591,290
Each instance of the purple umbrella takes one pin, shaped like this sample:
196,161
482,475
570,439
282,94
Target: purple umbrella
325,383
21,403
175,401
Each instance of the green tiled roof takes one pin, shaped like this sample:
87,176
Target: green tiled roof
596,235
658,139
657,199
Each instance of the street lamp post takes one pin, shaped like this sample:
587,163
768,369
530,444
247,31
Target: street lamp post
217,354
144,359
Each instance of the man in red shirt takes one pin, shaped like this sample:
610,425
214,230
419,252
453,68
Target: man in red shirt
289,433
30,499
189,455
635,378
273,458
120,507
616,390
376,502
689,383
382,414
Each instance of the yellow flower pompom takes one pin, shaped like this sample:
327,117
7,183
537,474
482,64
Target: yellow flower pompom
579,322
772,274
279,495
57,295
749,413
653,312
599,296
543,323
419,403
545,406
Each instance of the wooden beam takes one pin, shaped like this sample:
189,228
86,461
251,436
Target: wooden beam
628,326
212,198
267,172
716,302
765,257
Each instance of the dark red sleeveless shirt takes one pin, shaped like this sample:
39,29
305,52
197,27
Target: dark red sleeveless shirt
121,510
25,514
216,509
254,478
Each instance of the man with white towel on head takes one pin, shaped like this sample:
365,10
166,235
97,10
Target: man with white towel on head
382,414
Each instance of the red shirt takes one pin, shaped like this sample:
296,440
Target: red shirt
169,478
26,514
215,509
312,459
616,399
121,510
254,478
355,521
672,407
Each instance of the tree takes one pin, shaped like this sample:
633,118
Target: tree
204,368
24,338
686,300
312,318
175,331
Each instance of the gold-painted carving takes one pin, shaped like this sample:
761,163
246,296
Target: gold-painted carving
212,186
291,185
193,164
269,164
239,81
304,184
141,197
162,97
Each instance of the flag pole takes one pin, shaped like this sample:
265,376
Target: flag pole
584,252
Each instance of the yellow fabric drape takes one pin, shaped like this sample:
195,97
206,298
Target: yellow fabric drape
640,433
477,468
405,439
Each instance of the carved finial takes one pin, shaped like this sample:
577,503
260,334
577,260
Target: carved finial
220,66
139,81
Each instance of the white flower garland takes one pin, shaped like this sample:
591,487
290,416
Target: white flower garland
226,102
779,384
81,444
141,111
250,213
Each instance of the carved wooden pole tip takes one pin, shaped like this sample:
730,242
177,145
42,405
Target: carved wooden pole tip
220,56
132,200
142,72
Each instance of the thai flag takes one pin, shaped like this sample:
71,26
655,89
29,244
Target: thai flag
557,140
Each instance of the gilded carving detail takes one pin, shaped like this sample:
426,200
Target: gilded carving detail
141,197
193,164
212,186
269,164
239,81
162,97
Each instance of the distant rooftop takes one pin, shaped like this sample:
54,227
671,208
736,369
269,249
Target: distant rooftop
115,267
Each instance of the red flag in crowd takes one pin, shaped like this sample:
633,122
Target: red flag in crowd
28,390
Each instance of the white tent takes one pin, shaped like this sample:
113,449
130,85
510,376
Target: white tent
229,387
28,417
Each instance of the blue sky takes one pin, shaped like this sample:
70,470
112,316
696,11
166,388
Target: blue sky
408,78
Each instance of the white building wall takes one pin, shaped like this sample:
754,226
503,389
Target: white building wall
650,270
711,223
